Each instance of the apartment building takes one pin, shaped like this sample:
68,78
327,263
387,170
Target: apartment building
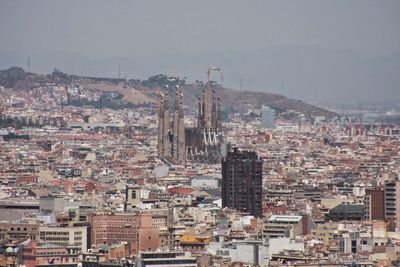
64,236
18,231
136,229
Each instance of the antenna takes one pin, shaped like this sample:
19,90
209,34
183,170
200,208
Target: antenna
28,65
119,71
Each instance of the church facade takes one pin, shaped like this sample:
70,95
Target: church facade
202,143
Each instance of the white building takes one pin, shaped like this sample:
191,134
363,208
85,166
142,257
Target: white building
254,252
171,258
205,181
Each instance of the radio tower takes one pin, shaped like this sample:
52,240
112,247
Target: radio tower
119,71
28,63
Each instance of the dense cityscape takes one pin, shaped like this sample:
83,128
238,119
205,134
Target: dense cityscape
204,133
152,186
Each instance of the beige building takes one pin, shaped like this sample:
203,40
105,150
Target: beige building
326,232
132,197
19,230
159,217
64,236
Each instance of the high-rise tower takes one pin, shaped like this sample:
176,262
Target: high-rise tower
392,201
242,182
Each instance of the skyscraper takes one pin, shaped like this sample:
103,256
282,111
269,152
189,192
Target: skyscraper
242,181
392,201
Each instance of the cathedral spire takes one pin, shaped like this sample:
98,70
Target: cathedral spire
199,115
166,127
160,116
214,114
219,122
207,105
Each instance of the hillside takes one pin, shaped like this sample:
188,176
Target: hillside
241,101
232,100
136,91
9,77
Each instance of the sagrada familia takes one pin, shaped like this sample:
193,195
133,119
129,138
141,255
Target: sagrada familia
177,143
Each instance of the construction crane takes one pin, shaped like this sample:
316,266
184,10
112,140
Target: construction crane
209,69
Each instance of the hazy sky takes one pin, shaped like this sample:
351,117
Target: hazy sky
93,37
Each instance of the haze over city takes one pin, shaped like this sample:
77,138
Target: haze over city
347,51
166,133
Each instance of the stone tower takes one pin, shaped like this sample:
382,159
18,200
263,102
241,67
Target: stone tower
132,197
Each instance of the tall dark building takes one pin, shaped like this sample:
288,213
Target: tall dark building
392,201
374,204
242,182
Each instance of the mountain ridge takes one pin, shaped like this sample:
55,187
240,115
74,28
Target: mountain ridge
309,73
232,100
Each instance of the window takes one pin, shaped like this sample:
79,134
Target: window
133,194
